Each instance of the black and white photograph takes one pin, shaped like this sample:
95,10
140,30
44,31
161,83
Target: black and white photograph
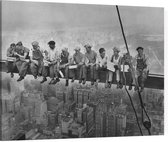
81,71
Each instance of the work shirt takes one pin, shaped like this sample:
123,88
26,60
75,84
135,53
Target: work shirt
64,58
141,62
78,58
21,50
37,54
53,55
116,61
126,60
102,61
91,56
10,52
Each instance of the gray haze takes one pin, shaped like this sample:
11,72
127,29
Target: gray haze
35,15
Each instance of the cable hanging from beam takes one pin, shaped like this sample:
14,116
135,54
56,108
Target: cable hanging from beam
147,123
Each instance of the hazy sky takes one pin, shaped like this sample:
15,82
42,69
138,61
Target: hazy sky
18,16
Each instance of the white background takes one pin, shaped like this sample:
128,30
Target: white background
152,3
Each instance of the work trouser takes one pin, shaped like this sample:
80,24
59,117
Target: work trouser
110,75
10,66
22,67
99,70
141,76
93,72
36,69
81,72
65,70
129,80
51,70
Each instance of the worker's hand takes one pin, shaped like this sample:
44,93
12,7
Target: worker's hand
145,70
15,53
97,67
80,64
116,67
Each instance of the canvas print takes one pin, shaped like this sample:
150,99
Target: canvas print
81,71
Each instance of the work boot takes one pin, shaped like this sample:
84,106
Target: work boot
109,84
73,79
67,82
106,84
130,87
44,79
92,82
20,78
142,89
136,88
12,74
80,81
96,83
56,81
118,85
51,82
35,77
84,81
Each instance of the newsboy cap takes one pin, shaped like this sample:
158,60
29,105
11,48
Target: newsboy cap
139,48
35,43
116,49
87,46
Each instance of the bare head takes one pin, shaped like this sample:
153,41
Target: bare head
102,52
51,44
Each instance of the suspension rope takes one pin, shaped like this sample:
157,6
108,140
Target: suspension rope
147,124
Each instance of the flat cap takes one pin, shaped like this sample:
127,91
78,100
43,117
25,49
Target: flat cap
116,49
87,46
35,43
65,49
19,43
139,48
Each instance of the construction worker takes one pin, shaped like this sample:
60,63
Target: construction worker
116,60
90,63
36,60
141,68
22,60
10,63
127,61
53,59
101,64
79,60
64,64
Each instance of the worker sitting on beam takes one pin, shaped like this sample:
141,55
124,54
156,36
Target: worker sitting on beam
79,60
91,57
141,68
36,57
22,60
116,61
101,65
64,64
53,59
10,63
126,62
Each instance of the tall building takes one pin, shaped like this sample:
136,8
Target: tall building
111,125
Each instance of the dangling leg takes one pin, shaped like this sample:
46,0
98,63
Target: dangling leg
45,71
118,78
67,75
110,78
